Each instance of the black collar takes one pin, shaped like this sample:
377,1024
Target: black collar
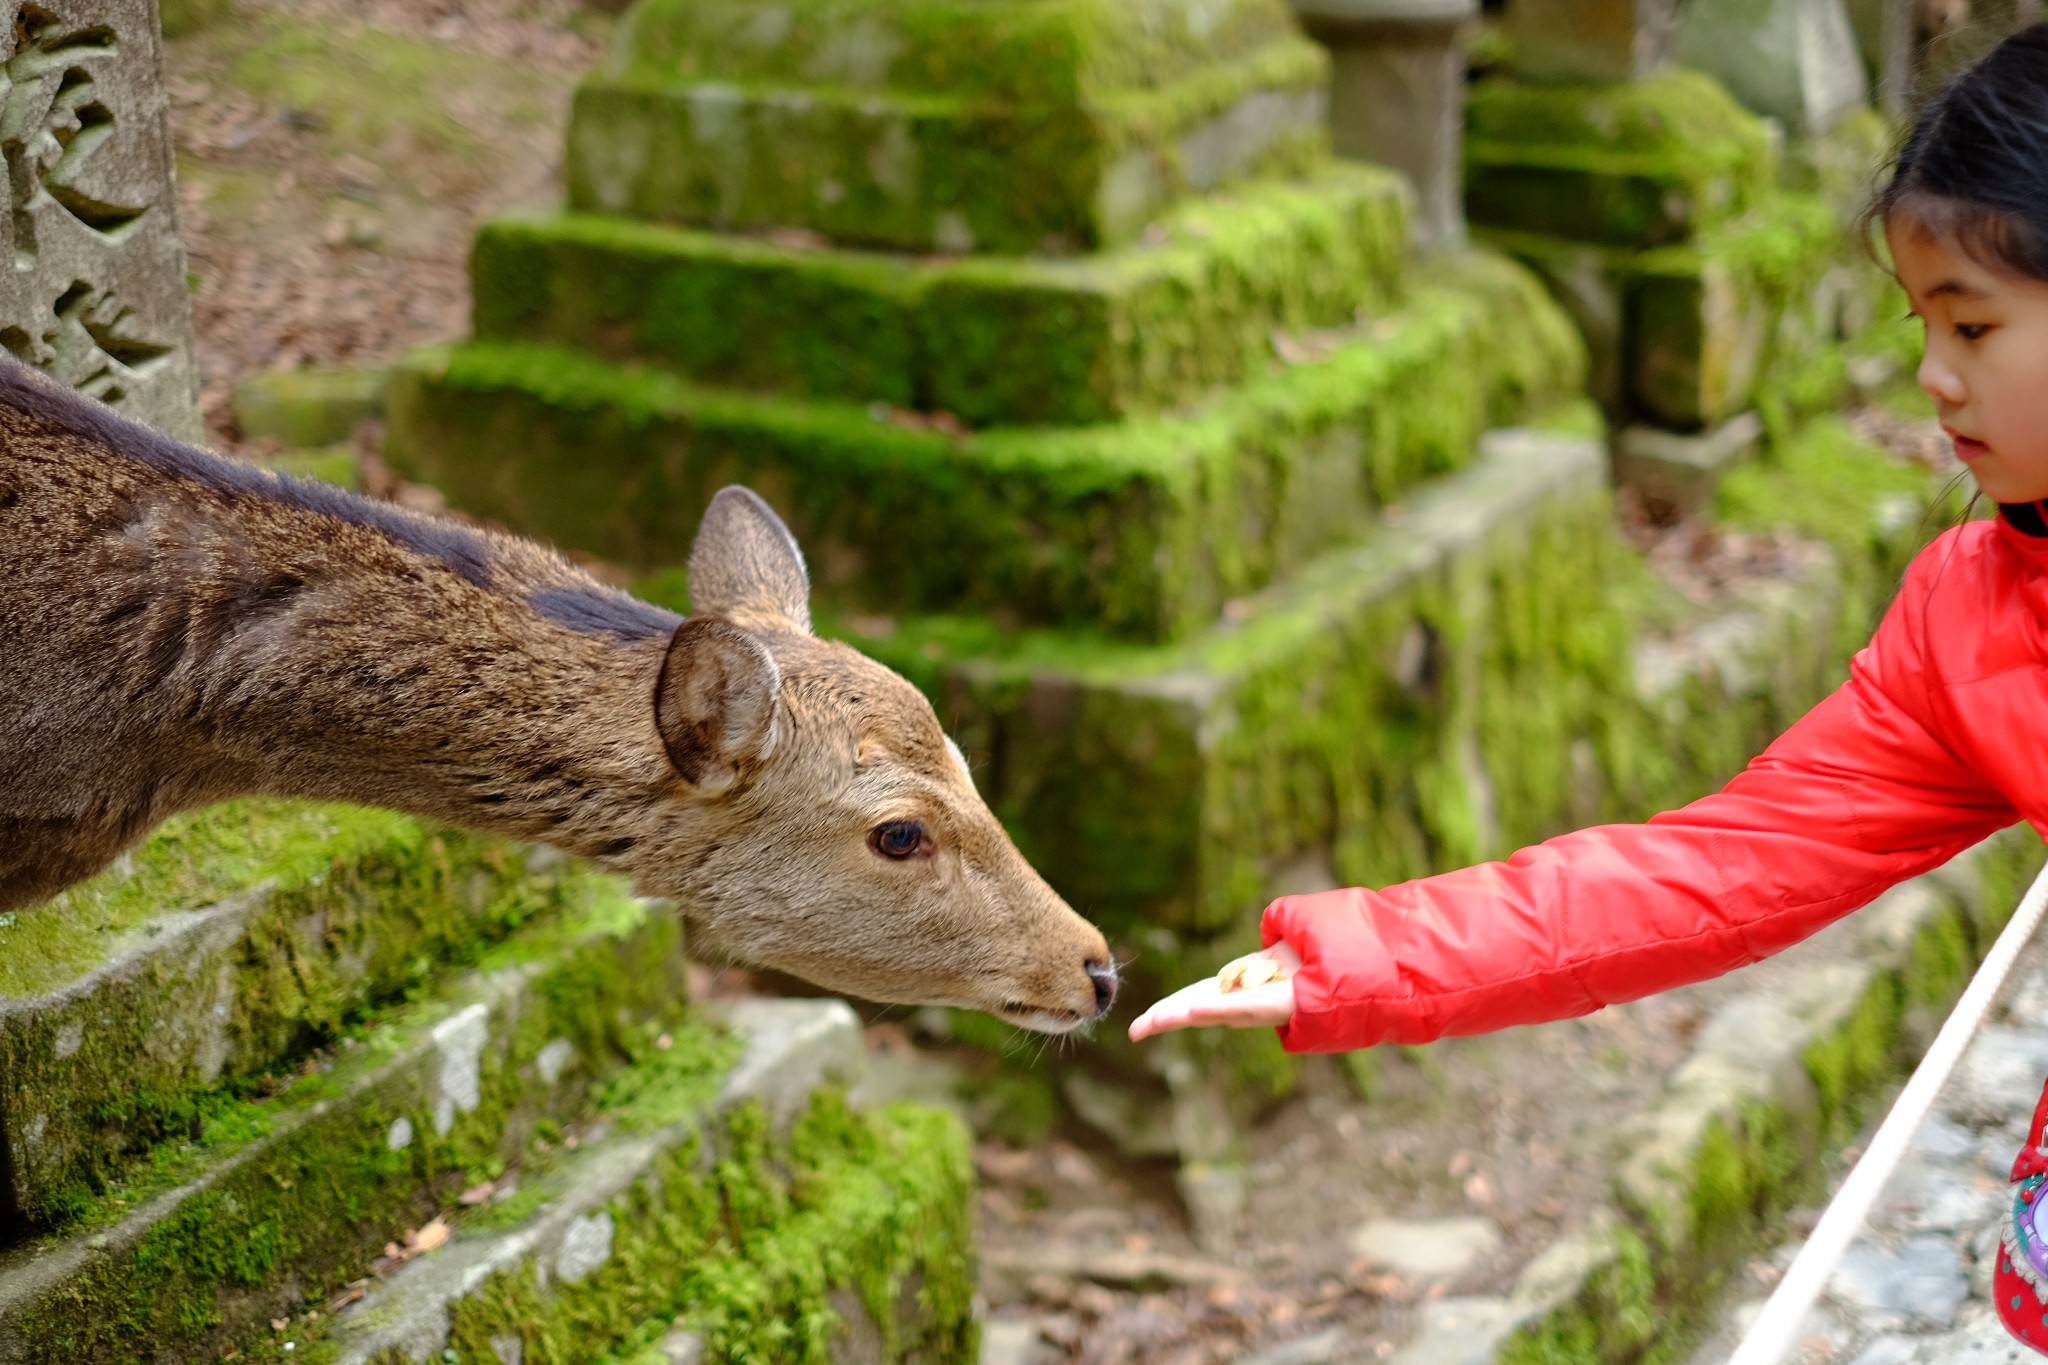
2028,518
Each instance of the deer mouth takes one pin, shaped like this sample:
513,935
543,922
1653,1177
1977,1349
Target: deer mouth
1039,1019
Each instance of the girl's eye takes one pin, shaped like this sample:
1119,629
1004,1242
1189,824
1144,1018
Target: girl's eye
1971,331
900,839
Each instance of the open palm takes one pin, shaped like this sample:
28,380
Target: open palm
1207,1005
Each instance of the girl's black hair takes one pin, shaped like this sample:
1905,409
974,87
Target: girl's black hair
1974,170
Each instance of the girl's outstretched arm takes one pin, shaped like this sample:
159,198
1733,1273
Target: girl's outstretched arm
1860,794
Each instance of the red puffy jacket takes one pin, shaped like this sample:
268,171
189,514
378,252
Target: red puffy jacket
1938,738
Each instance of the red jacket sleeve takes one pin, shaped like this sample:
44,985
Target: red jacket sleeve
1856,796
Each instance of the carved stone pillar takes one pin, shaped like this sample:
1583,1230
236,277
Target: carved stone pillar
92,279
1589,40
1397,96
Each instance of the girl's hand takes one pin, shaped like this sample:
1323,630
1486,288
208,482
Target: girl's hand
1206,1004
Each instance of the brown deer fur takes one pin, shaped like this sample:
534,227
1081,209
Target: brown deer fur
177,628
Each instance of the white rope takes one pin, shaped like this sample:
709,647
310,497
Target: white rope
1770,1336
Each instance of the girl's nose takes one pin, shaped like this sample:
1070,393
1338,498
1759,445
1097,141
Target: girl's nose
1940,380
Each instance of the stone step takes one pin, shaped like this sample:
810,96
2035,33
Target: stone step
995,341
283,1199
231,942
1032,126
766,1220
1143,529
1639,164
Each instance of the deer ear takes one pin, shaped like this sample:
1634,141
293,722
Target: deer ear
716,702
746,565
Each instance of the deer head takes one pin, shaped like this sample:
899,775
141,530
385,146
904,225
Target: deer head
836,833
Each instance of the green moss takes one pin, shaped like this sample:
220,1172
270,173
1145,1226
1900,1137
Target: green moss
2004,871
926,171
1840,164
766,1247
1707,321
1874,512
1146,527
287,1198
341,910
994,341
303,408
1616,1316
335,464
1757,311
1638,164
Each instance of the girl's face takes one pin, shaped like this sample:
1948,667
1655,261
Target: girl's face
1986,363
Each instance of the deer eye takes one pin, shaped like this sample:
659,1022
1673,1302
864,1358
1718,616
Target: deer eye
900,839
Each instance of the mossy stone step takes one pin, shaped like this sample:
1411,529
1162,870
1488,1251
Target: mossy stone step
1641,164
996,341
1690,335
1143,529
282,1199
1016,127
233,940
772,1223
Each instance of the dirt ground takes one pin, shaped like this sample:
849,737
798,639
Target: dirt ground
335,159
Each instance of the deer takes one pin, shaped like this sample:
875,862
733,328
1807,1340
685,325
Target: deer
179,628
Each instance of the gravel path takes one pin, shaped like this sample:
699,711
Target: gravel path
1915,1288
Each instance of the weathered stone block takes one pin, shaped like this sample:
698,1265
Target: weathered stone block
281,1199
1643,164
1689,336
1704,320
930,125
1795,60
1589,40
1141,529
849,1238
231,942
1397,96
94,289
300,409
994,341
1675,475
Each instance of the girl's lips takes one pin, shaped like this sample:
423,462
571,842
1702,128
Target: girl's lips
1967,448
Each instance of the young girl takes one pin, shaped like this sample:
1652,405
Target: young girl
1939,738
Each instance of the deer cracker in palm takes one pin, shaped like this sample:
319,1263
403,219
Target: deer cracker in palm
177,629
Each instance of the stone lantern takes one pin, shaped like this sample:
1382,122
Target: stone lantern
1397,96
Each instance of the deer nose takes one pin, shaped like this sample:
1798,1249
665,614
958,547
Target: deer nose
1103,975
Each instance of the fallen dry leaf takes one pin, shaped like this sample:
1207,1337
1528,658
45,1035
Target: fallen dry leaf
428,1237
